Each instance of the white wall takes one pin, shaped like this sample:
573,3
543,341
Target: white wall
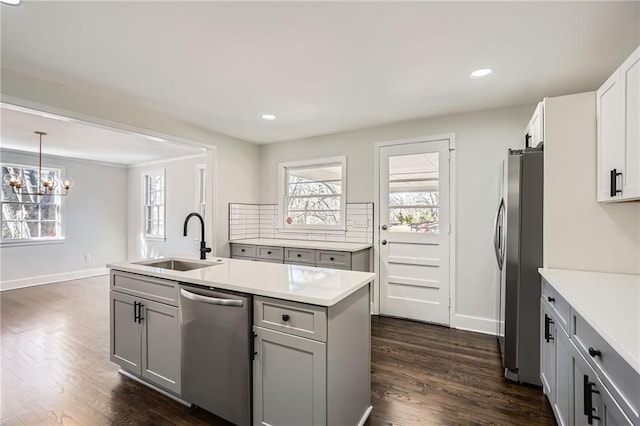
236,171
482,140
580,233
94,221
181,199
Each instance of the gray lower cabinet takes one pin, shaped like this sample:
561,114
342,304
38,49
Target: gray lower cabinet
585,380
145,337
593,404
289,379
311,363
354,261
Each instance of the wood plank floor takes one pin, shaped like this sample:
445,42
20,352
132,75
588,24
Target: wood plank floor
55,370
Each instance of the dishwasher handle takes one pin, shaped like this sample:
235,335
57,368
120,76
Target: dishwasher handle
211,300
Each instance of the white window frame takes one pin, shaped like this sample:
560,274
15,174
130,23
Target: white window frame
145,176
201,189
59,238
283,191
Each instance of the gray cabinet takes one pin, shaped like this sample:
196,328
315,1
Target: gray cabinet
289,379
312,363
592,402
585,380
355,261
145,337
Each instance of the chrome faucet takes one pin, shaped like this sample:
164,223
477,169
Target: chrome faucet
203,246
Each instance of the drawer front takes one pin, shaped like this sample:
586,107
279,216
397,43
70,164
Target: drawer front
619,377
294,255
559,305
333,259
270,253
290,317
243,250
163,291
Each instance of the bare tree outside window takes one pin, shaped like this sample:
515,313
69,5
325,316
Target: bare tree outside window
314,195
29,217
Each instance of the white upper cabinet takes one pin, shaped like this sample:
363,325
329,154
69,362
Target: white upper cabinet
618,133
534,133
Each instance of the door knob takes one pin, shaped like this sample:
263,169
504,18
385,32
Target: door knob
383,242
384,227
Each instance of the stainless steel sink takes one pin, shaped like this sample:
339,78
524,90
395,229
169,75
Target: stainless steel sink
176,265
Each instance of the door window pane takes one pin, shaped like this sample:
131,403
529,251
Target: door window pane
414,193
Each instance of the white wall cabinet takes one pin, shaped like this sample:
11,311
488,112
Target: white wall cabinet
145,337
534,133
618,133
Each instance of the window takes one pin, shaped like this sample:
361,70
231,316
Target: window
313,194
154,197
30,217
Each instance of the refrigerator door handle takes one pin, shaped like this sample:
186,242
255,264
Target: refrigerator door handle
497,235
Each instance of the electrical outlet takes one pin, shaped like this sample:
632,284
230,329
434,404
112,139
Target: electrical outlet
87,257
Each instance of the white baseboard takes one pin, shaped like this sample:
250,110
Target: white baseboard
477,324
53,278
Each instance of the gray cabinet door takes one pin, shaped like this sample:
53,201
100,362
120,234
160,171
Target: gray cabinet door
125,332
547,352
290,380
161,345
563,377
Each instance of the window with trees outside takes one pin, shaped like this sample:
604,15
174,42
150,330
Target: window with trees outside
30,217
313,194
154,200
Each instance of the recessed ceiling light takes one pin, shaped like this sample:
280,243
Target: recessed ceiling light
11,2
481,72
269,117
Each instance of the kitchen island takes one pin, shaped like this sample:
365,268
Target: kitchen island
309,332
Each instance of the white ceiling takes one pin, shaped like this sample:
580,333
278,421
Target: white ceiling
321,67
78,140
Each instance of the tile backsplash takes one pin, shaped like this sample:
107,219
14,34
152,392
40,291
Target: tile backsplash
261,221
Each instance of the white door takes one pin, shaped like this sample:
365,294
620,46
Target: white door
414,231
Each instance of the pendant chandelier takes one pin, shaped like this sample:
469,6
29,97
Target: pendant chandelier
48,185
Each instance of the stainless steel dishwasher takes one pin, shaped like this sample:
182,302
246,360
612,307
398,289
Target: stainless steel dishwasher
215,337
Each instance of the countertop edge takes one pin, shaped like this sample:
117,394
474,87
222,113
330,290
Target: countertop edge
325,302
308,244
547,274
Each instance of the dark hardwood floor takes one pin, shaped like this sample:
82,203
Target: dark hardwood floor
55,370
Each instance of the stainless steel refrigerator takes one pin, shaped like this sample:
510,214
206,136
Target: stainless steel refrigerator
518,247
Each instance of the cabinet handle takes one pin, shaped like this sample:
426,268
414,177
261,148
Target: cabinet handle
526,140
551,299
136,315
299,255
242,250
547,331
383,242
332,259
594,352
613,177
285,317
268,252
384,227
140,317
588,392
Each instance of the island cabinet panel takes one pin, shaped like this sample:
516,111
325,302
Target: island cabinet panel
290,384
161,345
548,352
125,333
145,334
323,378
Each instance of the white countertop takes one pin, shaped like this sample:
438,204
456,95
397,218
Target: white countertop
308,244
306,284
610,303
